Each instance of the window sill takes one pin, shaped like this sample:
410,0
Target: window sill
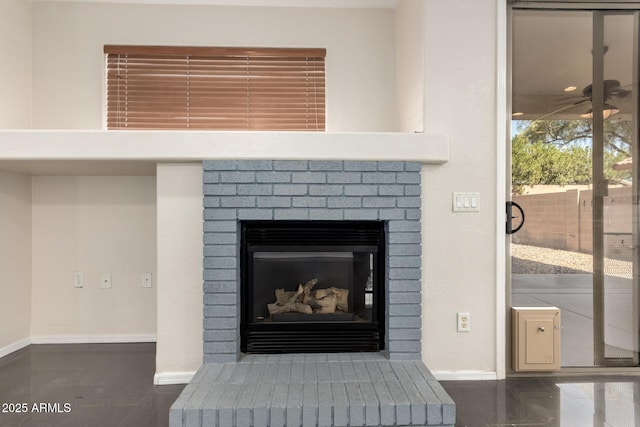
29,146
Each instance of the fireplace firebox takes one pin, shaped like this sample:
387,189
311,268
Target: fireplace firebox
312,286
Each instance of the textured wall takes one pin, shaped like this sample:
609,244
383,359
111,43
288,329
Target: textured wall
310,190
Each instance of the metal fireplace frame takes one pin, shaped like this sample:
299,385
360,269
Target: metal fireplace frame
310,336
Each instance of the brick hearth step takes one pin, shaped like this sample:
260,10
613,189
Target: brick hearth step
308,390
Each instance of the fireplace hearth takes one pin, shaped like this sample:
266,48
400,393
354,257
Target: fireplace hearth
312,286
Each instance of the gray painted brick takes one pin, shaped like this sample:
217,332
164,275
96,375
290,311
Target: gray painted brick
326,214
360,166
405,286
221,287
328,165
371,404
309,202
404,273
404,226
294,405
404,334
361,190
405,238
238,177
261,404
344,202
255,214
220,299
387,406
211,202
409,202
220,335
391,214
404,310
404,346
325,190
309,405
220,358
379,202
405,249
360,214
219,189
403,406
340,408
412,166
244,412
273,177
221,311
379,177
211,214
391,190
289,189
325,403
412,190
220,226
309,177
344,177
255,189
291,214
219,323
220,274
220,262
238,201
219,238
391,166
404,297
356,404
413,214
211,177
227,403
291,165
220,347
255,165
405,261
220,165
404,322
274,202
408,178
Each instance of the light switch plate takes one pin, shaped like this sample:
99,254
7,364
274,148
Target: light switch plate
466,202
105,281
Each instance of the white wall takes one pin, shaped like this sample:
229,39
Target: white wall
68,60
410,21
459,262
15,72
180,258
15,261
93,224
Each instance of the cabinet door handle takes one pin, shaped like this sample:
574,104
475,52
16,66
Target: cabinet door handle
541,328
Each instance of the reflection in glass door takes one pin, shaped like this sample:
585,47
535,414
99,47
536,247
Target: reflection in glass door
574,171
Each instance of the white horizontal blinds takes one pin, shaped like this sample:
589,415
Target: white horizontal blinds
153,87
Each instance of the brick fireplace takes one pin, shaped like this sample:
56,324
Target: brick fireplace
316,386
294,190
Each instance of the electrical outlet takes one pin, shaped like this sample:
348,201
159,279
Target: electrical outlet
464,322
146,280
105,280
78,279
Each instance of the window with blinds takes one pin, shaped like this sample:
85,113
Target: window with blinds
201,88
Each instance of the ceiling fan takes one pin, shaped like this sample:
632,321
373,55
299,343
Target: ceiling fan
612,89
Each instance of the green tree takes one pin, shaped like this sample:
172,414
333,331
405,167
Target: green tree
559,152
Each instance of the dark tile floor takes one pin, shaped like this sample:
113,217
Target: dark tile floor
111,385
581,401
98,385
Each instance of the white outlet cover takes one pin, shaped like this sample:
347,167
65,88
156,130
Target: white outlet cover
147,280
105,281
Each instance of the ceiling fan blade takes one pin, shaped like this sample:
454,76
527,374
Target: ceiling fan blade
562,109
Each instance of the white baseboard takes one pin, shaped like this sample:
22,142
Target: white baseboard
167,378
8,349
464,375
92,339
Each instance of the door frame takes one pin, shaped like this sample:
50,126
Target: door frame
504,110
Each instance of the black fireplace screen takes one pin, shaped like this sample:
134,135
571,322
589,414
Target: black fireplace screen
310,286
